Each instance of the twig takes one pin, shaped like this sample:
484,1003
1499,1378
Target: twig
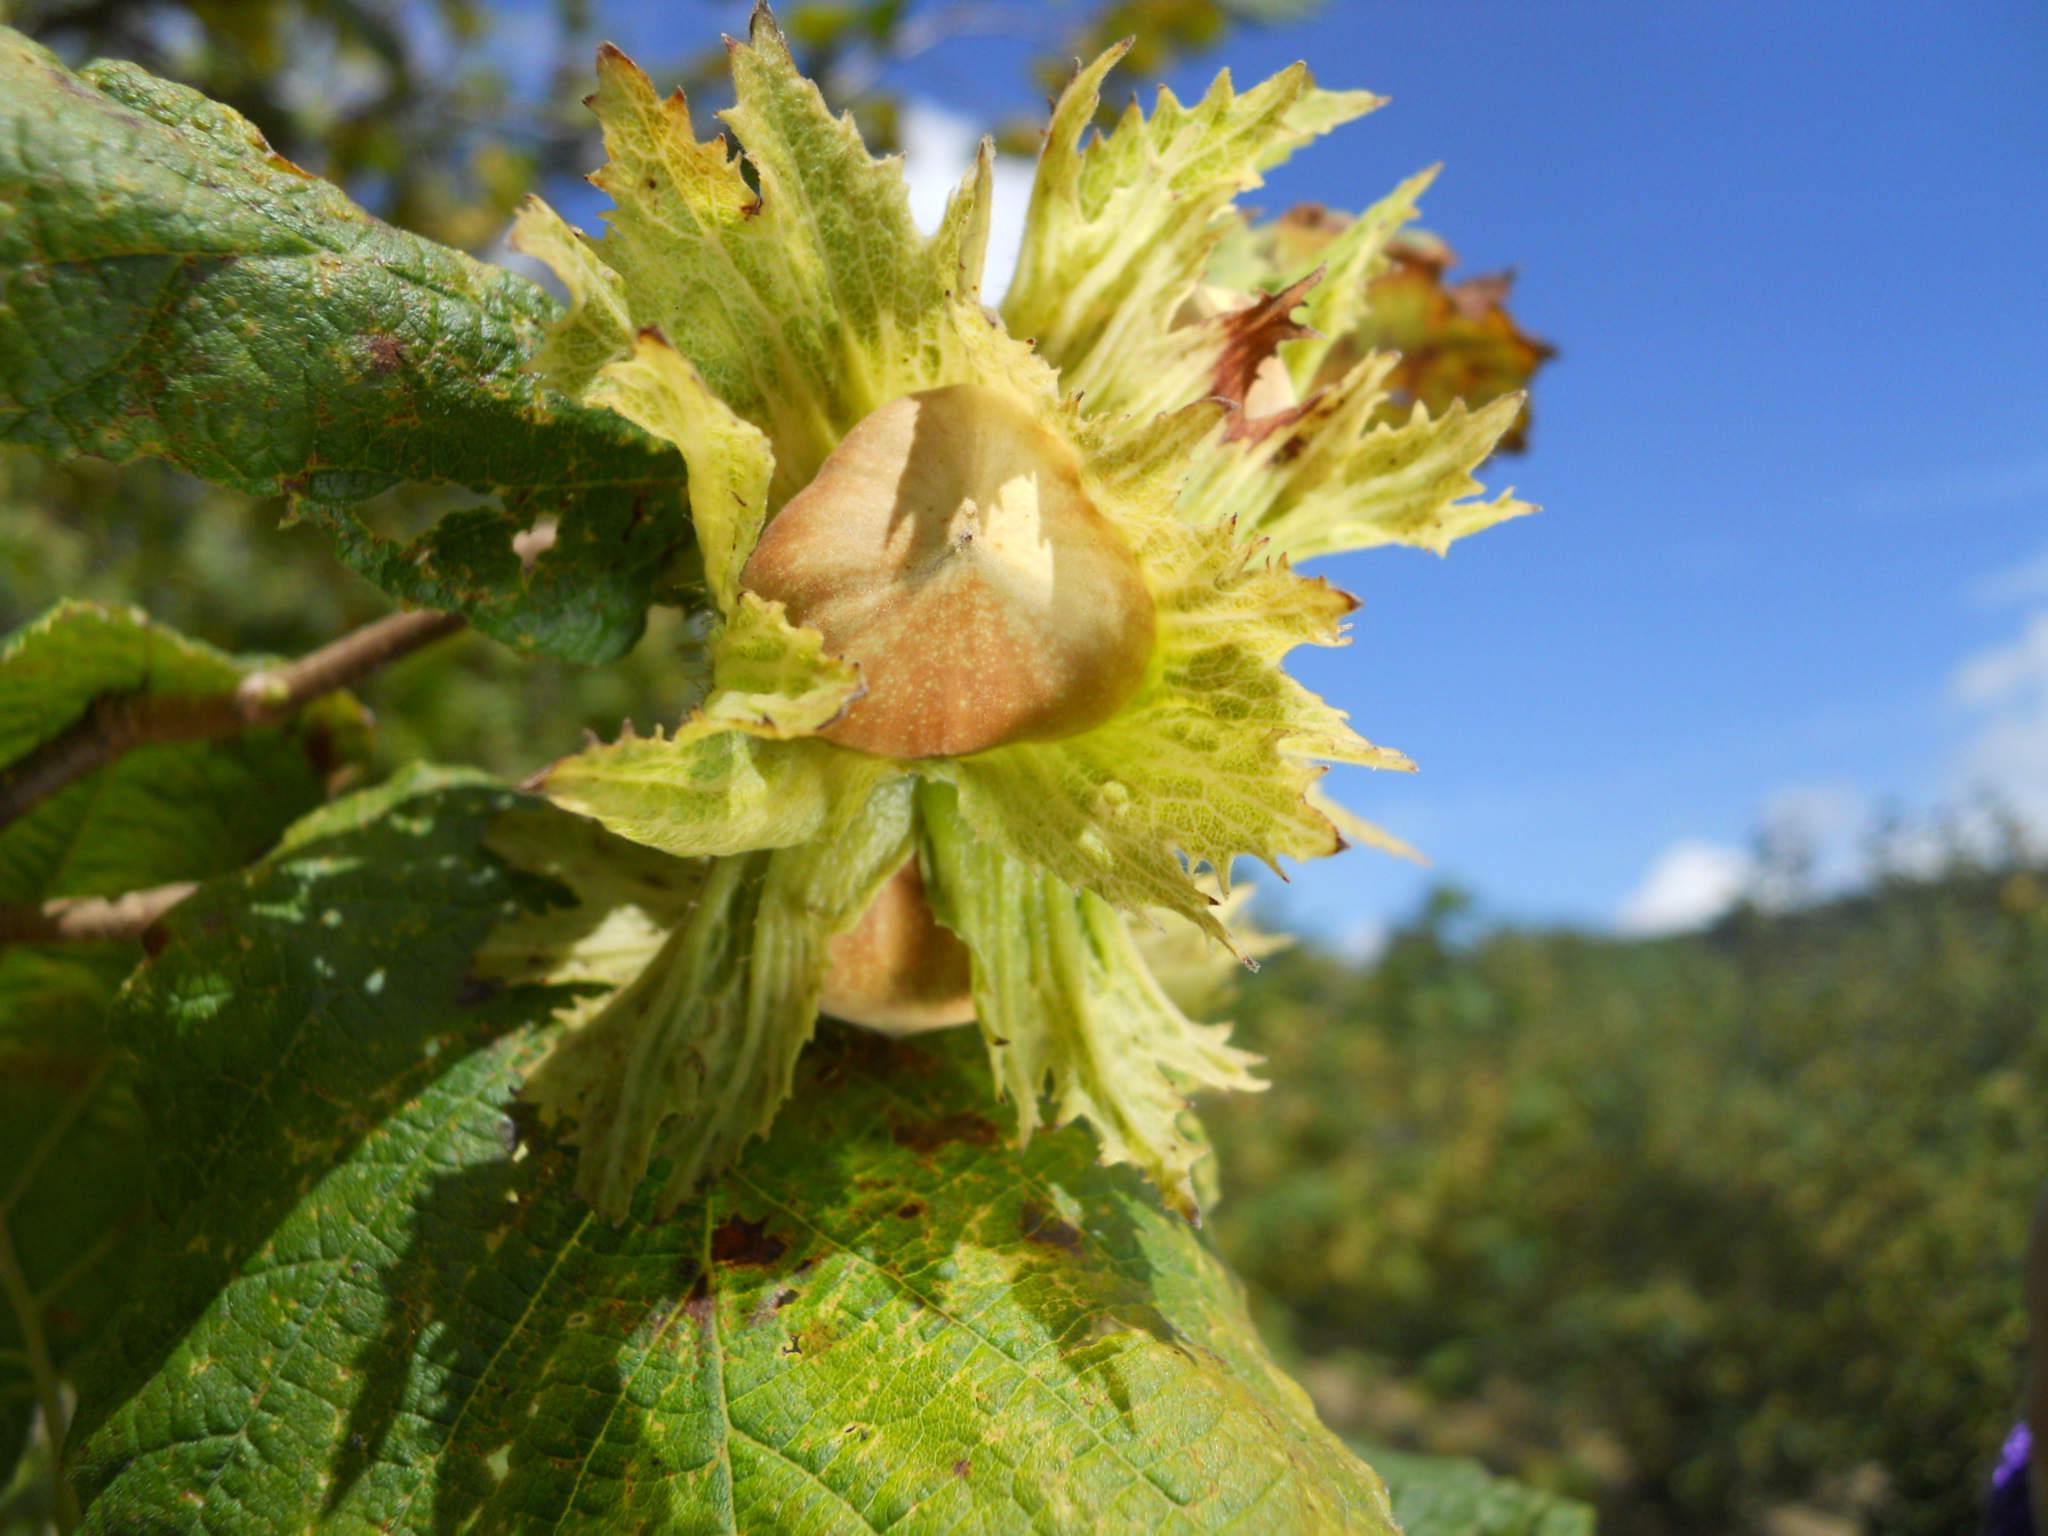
116,723
28,1317
90,919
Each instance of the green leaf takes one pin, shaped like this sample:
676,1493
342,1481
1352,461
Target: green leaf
360,936
1456,1496
70,1153
70,1138
883,1318
172,287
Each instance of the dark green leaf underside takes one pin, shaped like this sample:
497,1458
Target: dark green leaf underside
172,287
884,1318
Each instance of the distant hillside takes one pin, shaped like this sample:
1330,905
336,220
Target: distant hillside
1722,1231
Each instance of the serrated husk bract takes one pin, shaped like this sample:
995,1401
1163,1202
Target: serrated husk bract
755,313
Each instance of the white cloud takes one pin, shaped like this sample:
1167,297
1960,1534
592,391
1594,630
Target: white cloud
1817,836
2022,583
938,148
2006,687
1688,885
1994,485
1365,941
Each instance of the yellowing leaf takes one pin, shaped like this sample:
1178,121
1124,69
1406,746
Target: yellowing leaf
1326,479
1067,1007
1344,253
804,300
1457,340
773,678
597,329
1193,969
1357,832
729,459
720,793
625,898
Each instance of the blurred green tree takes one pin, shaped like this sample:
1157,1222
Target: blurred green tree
1701,1226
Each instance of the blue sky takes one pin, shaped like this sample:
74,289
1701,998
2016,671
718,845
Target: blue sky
1794,458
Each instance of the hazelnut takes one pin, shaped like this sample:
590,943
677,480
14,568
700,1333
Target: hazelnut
899,969
949,548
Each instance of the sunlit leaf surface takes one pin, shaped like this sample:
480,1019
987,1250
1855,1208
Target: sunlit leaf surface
172,287
883,1318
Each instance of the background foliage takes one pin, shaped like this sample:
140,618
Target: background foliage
1701,1227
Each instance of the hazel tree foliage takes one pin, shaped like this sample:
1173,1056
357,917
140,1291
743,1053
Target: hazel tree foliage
420,1154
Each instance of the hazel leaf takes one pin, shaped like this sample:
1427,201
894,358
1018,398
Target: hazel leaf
378,1305
174,288
72,1141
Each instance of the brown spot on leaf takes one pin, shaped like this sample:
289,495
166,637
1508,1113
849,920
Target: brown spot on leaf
962,1467
698,1304
739,1241
387,352
912,1211
930,1135
1040,1225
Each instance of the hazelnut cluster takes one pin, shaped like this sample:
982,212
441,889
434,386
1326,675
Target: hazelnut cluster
1003,596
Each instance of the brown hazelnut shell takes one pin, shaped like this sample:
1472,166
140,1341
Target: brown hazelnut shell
949,548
